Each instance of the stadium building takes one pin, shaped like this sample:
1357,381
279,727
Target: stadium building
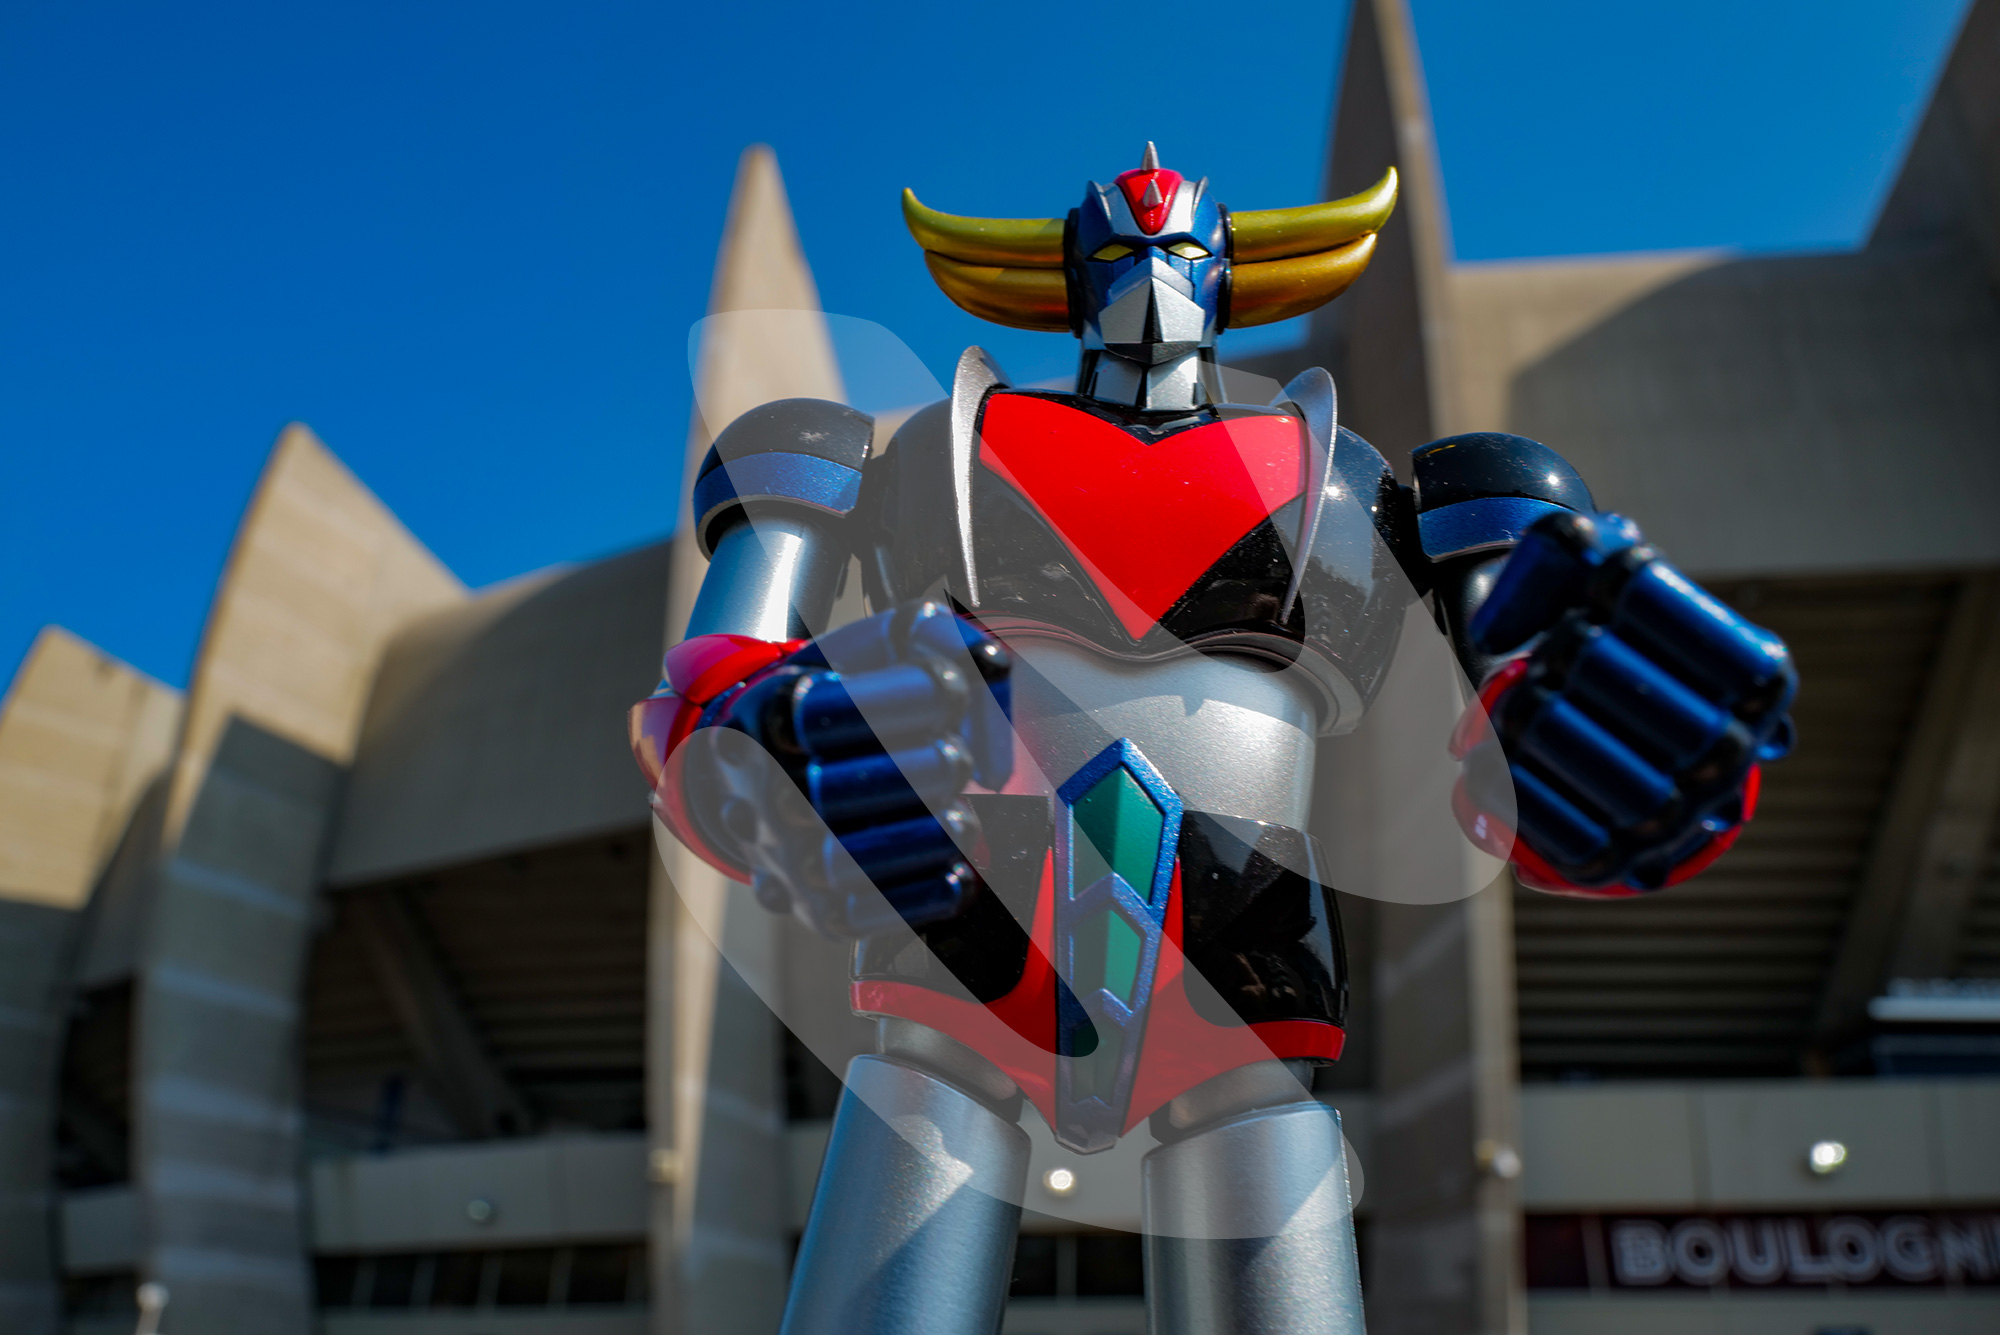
346,992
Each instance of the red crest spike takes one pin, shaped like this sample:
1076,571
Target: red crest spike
1150,193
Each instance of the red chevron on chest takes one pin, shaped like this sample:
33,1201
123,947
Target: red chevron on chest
1146,521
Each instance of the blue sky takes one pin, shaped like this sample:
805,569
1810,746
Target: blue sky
465,244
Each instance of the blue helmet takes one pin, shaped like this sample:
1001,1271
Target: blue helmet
1149,265
1148,271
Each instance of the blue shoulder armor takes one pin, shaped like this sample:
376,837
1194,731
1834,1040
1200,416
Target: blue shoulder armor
790,453
1479,492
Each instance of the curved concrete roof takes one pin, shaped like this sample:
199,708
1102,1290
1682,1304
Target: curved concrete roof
1761,415
500,725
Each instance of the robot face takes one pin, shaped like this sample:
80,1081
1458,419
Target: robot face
1149,257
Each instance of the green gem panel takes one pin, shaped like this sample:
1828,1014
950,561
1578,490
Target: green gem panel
1107,956
1119,829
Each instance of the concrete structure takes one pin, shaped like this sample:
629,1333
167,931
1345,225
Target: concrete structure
350,994
84,742
722,1129
1813,435
319,577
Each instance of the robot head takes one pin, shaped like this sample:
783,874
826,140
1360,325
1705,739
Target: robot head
1149,259
1148,270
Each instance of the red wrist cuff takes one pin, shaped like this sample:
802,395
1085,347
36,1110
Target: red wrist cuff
698,670
707,665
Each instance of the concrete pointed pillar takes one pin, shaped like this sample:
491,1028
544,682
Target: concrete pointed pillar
714,1092
1388,340
320,576
1443,1185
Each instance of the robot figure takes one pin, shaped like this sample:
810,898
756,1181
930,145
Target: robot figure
1161,600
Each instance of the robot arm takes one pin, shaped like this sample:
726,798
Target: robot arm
1629,710
874,726
795,465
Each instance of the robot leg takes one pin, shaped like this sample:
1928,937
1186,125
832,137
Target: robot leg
1249,1229
912,1226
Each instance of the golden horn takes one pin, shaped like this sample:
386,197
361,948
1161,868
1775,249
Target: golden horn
1022,243
1004,294
1277,234
1274,290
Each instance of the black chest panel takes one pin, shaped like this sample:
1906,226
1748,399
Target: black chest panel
1342,627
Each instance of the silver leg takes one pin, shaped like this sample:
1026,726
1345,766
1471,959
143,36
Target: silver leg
912,1228
1247,1215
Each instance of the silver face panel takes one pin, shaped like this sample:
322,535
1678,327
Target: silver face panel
911,1227
1116,380
1179,383
1175,384
772,579
1229,734
1250,1229
1152,315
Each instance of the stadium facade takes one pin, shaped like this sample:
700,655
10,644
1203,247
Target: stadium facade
346,992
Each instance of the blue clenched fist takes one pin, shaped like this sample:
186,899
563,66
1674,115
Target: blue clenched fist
1629,730
876,728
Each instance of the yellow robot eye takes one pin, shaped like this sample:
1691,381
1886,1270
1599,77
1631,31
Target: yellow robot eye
1114,251
1187,250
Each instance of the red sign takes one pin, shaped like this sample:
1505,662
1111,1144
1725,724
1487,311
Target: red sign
1614,1252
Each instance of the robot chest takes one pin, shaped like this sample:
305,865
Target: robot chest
1141,526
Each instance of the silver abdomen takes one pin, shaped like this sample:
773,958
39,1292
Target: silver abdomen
1230,734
